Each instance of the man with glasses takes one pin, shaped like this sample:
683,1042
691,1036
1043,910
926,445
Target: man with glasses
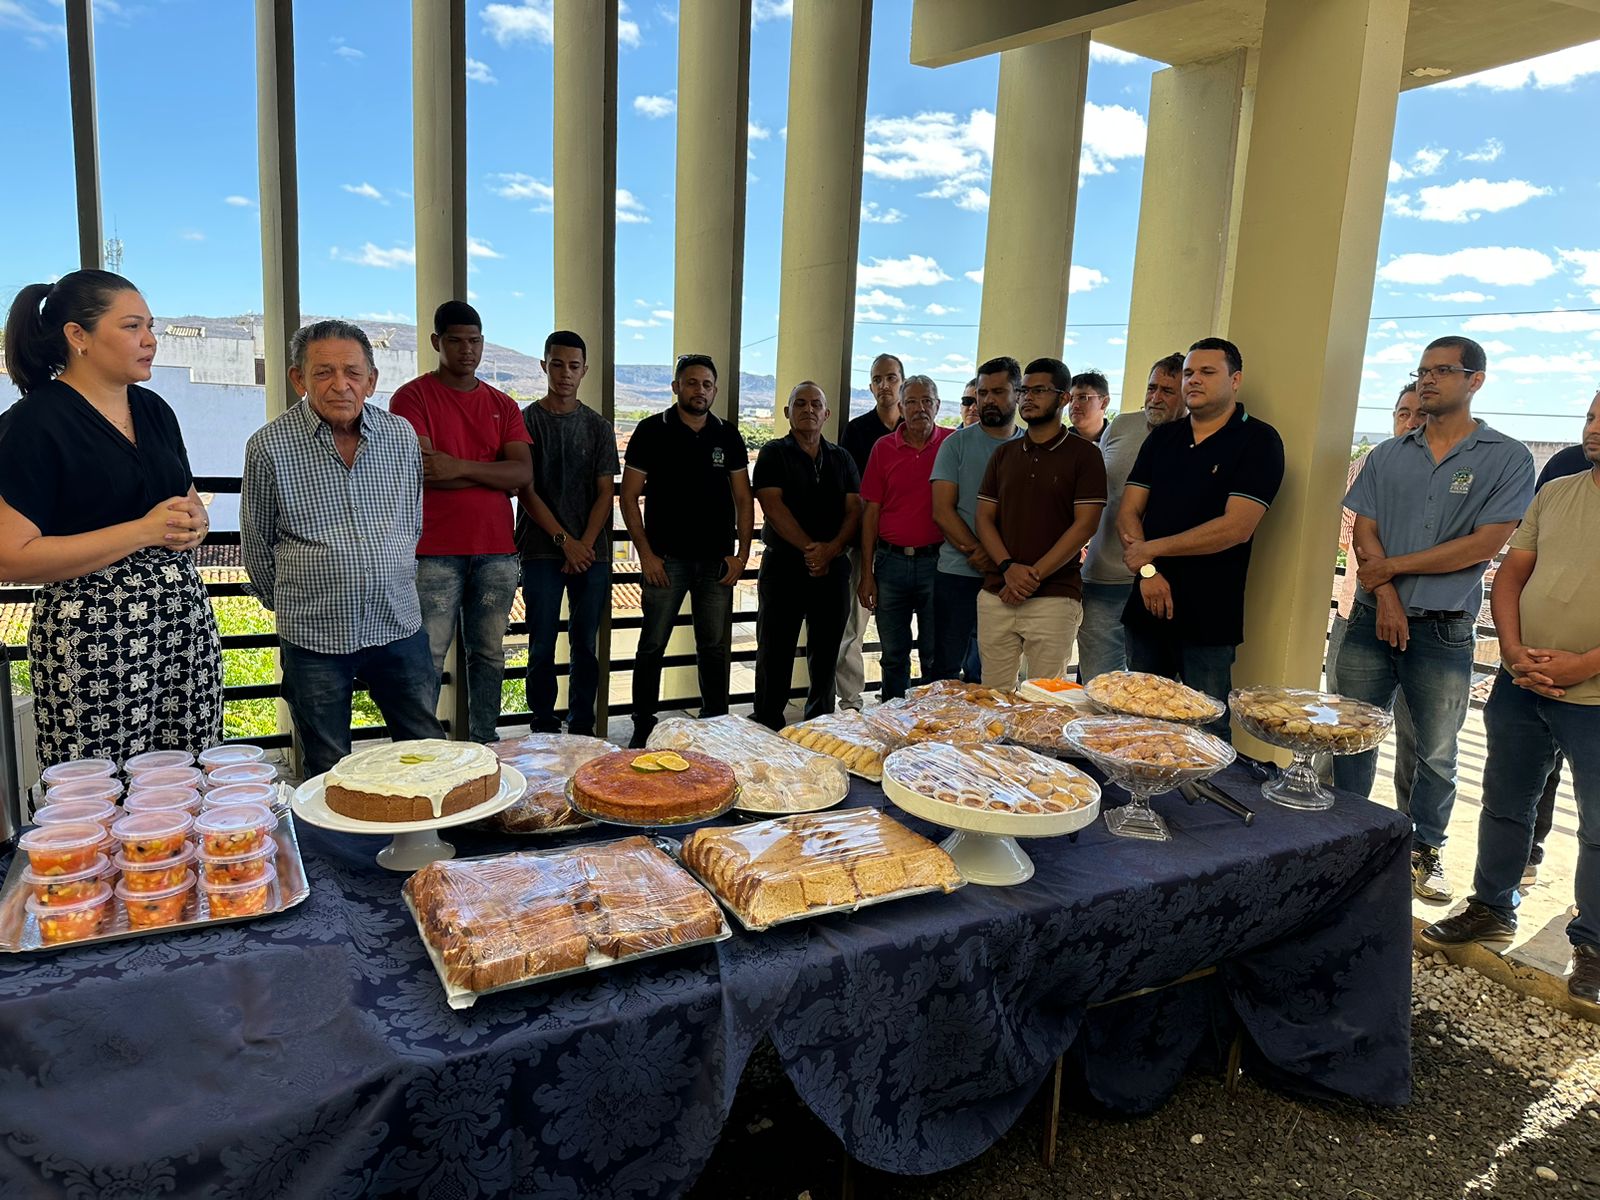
957,475
969,403
1039,503
691,469
1432,509
1087,404
899,538
1107,582
1195,495
860,436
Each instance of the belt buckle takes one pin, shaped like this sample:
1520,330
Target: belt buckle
909,551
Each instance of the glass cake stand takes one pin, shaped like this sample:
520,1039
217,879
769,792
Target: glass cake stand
1148,775
1307,723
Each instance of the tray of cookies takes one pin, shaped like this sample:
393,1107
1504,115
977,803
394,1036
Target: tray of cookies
794,868
775,775
547,762
1141,694
1319,722
1039,726
1007,790
910,722
843,735
511,920
967,693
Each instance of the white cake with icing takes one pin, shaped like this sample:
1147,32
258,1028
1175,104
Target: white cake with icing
412,781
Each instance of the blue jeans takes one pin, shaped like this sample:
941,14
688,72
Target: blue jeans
1434,673
711,603
905,589
955,627
1526,733
588,595
317,687
1207,669
1405,737
479,588
1102,640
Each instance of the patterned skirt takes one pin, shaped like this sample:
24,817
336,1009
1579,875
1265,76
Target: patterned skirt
125,660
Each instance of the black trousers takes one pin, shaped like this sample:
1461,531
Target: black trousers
789,595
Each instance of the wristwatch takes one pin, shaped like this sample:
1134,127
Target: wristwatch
1148,571
560,540
1007,565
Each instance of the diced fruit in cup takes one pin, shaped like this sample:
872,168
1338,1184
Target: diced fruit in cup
67,812
151,799
250,772
62,849
153,836
162,907
106,789
235,829
71,922
240,793
227,755
153,877
240,899
165,777
244,868
78,768
157,760
66,889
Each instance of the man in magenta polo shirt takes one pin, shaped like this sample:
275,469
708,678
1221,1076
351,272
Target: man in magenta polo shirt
899,538
474,459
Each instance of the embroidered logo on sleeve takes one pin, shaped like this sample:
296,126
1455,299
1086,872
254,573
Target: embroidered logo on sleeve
1461,483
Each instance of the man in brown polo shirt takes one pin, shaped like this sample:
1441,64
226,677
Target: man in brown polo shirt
1038,506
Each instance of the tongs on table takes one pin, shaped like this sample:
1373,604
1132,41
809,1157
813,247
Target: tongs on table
1204,790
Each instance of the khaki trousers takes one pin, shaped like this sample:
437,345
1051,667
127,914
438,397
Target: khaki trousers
1042,629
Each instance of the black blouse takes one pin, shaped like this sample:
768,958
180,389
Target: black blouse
69,470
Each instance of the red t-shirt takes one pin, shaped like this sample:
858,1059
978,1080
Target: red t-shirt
475,426
898,478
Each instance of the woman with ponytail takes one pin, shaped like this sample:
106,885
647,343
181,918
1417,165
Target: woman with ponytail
98,507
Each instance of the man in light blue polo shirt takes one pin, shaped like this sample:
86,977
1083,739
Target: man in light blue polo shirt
957,472
1432,509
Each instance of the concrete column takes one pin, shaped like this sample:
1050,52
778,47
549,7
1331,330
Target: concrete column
1318,165
713,132
439,151
85,132
1188,211
822,200
1033,199
279,187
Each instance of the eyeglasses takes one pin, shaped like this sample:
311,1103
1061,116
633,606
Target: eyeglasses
1040,391
968,401
1443,372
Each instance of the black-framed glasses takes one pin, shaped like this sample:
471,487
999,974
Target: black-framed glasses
968,401
1443,372
1040,390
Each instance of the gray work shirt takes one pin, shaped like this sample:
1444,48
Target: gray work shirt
570,452
1486,479
1119,443
962,460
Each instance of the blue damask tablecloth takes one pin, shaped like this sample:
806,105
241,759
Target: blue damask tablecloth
312,1054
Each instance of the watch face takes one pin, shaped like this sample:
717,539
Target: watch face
1148,571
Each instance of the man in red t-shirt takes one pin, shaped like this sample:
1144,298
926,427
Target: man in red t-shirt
474,459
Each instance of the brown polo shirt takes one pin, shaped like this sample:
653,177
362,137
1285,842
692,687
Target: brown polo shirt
1036,489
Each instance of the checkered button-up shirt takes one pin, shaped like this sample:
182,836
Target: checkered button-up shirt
333,549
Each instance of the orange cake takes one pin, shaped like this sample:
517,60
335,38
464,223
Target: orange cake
653,787
412,781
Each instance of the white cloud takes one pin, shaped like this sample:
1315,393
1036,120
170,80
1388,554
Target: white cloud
1465,200
1545,322
637,323
13,15
661,314
757,132
629,210
375,256
1101,53
1388,326
655,107
1582,363
530,20
1496,346
871,214
1587,265
1426,161
348,52
1116,341
1548,71
771,10
878,298
1503,266
192,235
915,270
1110,133
1084,279
1400,352
478,248
239,201
514,185
639,337
976,276
939,310
388,318
1488,152
479,72
364,189
628,32
1458,297
929,145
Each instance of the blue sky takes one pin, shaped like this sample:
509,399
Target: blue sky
1489,210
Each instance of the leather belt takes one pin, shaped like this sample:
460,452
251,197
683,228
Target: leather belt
1436,614
912,551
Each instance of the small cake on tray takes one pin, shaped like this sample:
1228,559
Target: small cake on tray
412,781
653,787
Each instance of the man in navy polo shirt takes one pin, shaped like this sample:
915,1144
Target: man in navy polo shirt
1197,491
691,469
1432,509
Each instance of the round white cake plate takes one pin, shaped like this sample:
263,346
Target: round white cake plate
414,844
984,844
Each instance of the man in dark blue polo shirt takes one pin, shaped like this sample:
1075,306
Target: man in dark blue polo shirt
810,501
1196,493
1432,509
691,469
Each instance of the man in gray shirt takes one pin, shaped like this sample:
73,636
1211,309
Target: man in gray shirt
564,536
1107,582
1432,509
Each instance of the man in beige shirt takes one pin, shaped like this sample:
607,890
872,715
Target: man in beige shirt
1546,699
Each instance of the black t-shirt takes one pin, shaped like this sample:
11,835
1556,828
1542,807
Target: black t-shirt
69,470
814,491
1189,484
861,435
688,511
1571,461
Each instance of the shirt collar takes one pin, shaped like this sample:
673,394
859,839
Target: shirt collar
1066,432
673,415
312,422
1483,432
899,436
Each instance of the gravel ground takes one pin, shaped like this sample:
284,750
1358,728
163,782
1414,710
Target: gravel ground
1506,1103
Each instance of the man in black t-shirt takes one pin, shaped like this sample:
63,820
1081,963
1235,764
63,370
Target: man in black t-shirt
691,469
1197,491
808,490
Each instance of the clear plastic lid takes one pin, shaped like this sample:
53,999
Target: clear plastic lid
230,754
154,799
62,839
246,772
235,818
843,735
67,812
129,896
104,788
100,896
156,760
1141,694
974,694
1007,779
1038,725
548,762
774,775
267,849
160,823
167,777
78,768
1304,720
240,793
1143,755
907,722
94,870
121,863
234,888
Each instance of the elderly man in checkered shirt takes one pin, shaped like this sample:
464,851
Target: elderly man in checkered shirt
329,518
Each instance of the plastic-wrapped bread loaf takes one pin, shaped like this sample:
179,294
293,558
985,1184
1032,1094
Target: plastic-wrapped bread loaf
845,736
774,775
547,761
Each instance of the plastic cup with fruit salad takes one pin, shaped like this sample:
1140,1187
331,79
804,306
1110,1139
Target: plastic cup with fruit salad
68,888
62,849
153,876
78,768
234,829
241,793
75,921
156,760
166,777
163,906
230,755
149,837
173,799
239,868
69,812
105,788
251,772
240,899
